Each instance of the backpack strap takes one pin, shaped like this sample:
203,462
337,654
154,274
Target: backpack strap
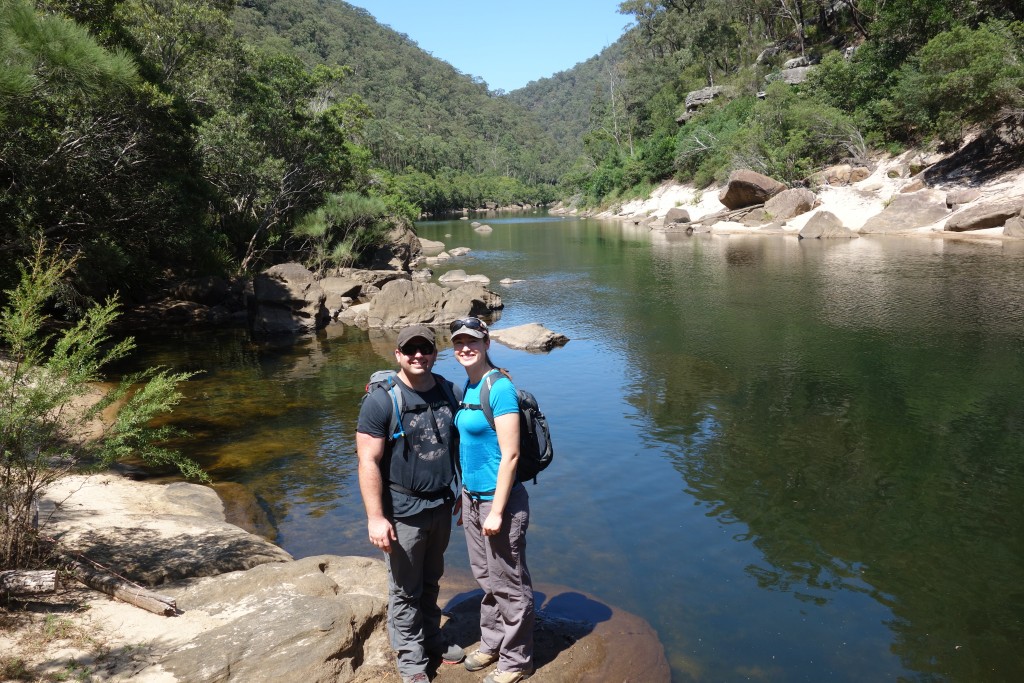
485,397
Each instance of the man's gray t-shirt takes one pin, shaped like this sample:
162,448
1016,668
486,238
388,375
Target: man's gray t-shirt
420,461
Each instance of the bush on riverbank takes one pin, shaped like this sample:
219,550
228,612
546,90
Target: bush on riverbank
51,420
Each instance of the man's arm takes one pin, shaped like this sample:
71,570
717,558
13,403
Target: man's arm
370,450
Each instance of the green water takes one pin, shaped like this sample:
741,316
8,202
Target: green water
798,460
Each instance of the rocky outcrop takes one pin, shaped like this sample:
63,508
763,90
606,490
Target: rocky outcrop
695,99
907,212
982,216
676,216
529,337
747,188
825,225
460,276
286,298
1015,227
402,247
790,203
965,195
403,302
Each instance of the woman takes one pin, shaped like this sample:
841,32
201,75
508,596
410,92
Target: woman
496,510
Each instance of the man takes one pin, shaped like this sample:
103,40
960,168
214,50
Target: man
405,477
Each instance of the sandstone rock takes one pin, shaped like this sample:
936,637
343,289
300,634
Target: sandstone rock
286,298
676,215
422,275
529,337
823,225
859,173
483,228
698,98
796,62
988,215
913,186
377,278
834,175
906,212
340,291
796,75
403,302
960,196
402,247
747,188
459,251
1014,227
430,247
758,216
790,203
209,291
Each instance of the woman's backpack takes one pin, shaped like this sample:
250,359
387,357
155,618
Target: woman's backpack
535,449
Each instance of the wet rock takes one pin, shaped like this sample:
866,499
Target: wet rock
529,337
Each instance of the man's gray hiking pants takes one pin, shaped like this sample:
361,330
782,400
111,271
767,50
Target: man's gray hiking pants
415,565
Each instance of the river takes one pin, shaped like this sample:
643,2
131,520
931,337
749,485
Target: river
799,460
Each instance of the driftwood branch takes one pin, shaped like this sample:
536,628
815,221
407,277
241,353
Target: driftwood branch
25,582
122,590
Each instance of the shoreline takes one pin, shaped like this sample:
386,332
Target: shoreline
853,203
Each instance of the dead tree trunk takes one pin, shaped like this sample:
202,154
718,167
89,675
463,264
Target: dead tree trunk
25,582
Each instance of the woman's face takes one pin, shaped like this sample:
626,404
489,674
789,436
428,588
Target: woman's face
469,350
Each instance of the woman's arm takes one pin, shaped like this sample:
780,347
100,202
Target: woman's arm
507,427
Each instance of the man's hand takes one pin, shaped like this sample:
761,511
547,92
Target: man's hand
381,533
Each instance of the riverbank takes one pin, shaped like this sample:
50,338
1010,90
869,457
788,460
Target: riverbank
853,203
248,611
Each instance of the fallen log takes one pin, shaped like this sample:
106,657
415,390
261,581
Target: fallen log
123,590
28,582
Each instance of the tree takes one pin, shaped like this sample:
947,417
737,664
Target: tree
45,381
344,227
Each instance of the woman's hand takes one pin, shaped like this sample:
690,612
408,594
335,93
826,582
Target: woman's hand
492,525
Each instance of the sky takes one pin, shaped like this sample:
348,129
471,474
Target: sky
508,43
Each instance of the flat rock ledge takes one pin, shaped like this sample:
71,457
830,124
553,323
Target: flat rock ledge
529,337
248,612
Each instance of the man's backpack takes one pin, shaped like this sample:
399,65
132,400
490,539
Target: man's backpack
535,449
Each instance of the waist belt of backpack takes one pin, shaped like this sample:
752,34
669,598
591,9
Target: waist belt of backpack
479,495
445,493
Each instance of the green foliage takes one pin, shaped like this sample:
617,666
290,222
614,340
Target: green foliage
704,147
959,77
46,382
345,226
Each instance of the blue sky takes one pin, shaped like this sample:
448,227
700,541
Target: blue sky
508,43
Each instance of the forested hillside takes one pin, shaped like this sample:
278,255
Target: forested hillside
884,74
157,139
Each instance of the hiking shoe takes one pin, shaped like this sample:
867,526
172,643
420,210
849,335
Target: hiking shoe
416,678
452,654
499,676
479,660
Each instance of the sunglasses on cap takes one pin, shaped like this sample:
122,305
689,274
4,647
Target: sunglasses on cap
426,348
468,323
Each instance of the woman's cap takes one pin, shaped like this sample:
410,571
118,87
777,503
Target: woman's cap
474,327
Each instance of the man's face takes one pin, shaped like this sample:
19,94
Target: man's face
416,356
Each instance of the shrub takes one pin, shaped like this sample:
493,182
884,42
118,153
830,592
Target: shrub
45,381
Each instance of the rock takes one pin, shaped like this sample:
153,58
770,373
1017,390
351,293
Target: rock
209,291
459,251
508,281
834,175
529,337
357,315
402,247
790,203
767,54
796,75
676,215
913,186
376,278
478,279
964,195
747,188
286,298
905,213
859,173
403,302
988,215
824,225
340,293
317,619
430,247
1014,227
758,216
696,99
422,275
153,554
475,224
483,228
796,62
453,276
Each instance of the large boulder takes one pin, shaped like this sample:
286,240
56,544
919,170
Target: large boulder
988,215
964,195
907,212
341,292
747,188
824,225
790,203
286,298
676,215
403,302
317,619
159,517
430,247
529,337
1014,227
402,247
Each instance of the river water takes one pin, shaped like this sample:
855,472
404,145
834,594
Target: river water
798,460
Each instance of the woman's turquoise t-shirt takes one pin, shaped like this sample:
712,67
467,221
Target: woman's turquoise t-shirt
478,442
